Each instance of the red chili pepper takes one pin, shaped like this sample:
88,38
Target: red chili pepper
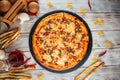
30,65
26,61
32,14
103,53
89,4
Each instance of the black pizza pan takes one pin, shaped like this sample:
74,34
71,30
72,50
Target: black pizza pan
88,49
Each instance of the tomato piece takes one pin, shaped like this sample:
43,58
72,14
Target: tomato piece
64,18
70,56
56,58
60,27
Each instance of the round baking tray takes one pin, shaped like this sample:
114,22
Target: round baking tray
87,52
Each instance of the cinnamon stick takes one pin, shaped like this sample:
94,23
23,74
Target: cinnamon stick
97,63
94,70
16,11
8,14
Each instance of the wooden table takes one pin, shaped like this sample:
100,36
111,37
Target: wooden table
107,10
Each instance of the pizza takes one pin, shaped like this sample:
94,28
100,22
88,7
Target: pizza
60,41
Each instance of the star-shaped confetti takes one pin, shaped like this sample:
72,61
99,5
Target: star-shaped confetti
69,5
50,4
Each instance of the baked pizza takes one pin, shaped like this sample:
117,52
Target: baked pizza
60,41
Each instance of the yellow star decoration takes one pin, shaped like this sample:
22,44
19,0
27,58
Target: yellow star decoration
40,76
69,5
101,23
100,33
98,22
83,11
50,4
95,58
108,43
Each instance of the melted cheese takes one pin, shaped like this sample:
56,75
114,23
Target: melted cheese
47,57
62,61
55,53
70,28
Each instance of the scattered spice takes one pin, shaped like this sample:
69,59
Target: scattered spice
100,33
50,4
89,4
69,5
40,76
95,58
103,53
83,11
108,43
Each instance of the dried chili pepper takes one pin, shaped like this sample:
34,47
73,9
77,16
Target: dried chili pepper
28,59
89,4
32,14
30,65
103,53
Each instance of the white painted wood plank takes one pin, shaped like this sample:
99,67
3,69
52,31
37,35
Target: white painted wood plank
108,10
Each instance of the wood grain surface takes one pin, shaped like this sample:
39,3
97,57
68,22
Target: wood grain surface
107,10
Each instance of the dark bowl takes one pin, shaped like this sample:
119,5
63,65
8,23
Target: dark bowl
88,49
